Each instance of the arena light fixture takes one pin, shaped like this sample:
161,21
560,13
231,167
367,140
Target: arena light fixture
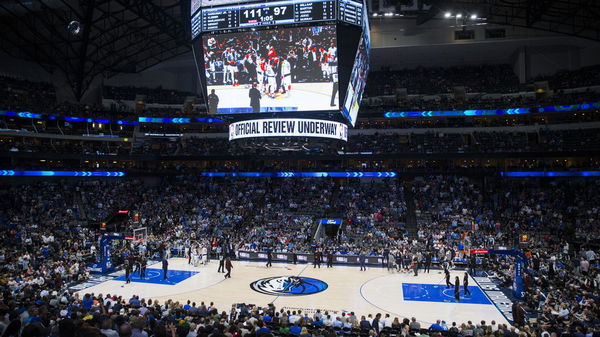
447,15
473,16
459,15
375,14
389,14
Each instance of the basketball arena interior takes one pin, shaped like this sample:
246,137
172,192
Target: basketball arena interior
299,168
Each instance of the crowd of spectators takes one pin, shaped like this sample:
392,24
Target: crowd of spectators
47,246
484,102
542,140
560,285
497,85
499,78
582,77
152,95
437,80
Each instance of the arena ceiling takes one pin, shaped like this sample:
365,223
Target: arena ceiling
127,36
571,17
115,36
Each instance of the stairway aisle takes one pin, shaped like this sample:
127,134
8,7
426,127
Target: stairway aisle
411,216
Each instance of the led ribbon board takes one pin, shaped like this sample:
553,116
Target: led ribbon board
512,111
551,174
12,173
288,127
302,174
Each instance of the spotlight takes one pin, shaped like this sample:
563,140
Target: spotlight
388,14
447,15
375,14
458,16
74,27
473,16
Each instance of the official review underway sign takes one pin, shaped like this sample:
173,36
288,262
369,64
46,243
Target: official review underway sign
288,127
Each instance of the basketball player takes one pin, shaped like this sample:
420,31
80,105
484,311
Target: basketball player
362,259
317,259
398,258
329,259
271,80
221,264
260,73
331,60
286,75
204,254
229,62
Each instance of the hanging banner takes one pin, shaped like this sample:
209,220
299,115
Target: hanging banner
288,127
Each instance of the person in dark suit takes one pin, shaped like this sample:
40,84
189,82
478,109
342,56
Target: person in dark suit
228,266
127,272
457,289
269,258
473,265
518,314
364,324
294,257
427,262
448,283
165,267
143,264
375,323
255,97
466,285
385,259
334,89
329,259
213,102
415,265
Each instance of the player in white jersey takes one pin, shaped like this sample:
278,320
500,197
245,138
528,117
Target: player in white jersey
260,73
271,81
229,65
286,75
331,60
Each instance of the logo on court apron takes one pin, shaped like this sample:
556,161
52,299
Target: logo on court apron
288,286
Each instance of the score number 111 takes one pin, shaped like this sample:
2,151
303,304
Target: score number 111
258,12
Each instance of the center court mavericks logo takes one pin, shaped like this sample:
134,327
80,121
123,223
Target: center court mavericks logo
288,286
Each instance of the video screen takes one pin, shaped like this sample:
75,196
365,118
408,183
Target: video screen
358,77
287,69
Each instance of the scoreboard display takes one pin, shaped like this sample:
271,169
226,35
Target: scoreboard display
275,13
351,12
284,59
